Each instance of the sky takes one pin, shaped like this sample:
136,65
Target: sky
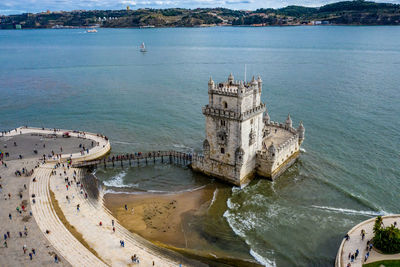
8,7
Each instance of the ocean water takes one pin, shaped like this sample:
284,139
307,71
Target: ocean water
343,82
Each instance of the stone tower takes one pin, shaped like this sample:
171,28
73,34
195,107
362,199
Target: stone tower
234,125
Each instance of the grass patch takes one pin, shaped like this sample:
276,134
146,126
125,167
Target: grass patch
386,263
70,227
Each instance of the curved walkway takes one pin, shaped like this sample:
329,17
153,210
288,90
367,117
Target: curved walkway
101,148
102,238
355,242
62,240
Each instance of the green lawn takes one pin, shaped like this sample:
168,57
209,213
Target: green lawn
388,263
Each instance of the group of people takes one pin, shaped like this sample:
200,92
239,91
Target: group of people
7,235
353,256
24,171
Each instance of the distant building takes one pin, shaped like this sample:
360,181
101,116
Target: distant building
240,141
128,8
18,26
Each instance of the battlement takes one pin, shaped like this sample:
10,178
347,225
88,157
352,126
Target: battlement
282,126
250,113
210,111
235,88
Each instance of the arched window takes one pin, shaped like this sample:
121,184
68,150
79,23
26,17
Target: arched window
222,150
225,104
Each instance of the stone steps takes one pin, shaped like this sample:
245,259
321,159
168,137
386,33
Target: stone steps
62,240
101,238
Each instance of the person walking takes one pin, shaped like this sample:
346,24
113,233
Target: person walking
10,216
112,222
55,258
30,255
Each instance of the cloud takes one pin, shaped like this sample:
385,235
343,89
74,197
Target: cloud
20,6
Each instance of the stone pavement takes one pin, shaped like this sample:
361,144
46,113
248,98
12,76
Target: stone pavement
14,255
356,242
62,240
102,238
101,144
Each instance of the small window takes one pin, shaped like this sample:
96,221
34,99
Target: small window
222,150
222,123
251,121
225,104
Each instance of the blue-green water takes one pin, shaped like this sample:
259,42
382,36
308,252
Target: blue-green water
343,82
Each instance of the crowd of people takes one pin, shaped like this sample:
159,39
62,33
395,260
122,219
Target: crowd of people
352,257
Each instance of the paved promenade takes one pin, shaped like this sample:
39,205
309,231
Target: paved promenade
62,240
57,239
100,148
102,238
356,242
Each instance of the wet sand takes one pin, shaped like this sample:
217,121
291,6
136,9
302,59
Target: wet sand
165,220
158,217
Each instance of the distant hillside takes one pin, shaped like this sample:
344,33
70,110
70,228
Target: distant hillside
343,13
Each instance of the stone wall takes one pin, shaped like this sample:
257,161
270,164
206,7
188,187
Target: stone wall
268,164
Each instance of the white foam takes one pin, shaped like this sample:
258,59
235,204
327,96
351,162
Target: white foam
240,228
303,150
264,261
118,181
214,197
349,211
124,143
111,191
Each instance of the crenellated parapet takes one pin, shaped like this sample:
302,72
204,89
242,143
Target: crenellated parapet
219,112
251,112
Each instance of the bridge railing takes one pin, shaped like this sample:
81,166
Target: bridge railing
139,156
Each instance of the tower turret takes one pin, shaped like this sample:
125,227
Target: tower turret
266,118
259,81
253,81
288,122
301,131
230,78
241,89
210,83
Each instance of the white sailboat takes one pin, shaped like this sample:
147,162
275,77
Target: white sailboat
143,48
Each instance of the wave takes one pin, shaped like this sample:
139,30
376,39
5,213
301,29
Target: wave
303,150
118,181
261,259
214,197
240,228
143,191
183,147
349,211
124,143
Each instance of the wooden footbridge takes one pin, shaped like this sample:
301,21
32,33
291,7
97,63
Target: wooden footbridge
136,159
